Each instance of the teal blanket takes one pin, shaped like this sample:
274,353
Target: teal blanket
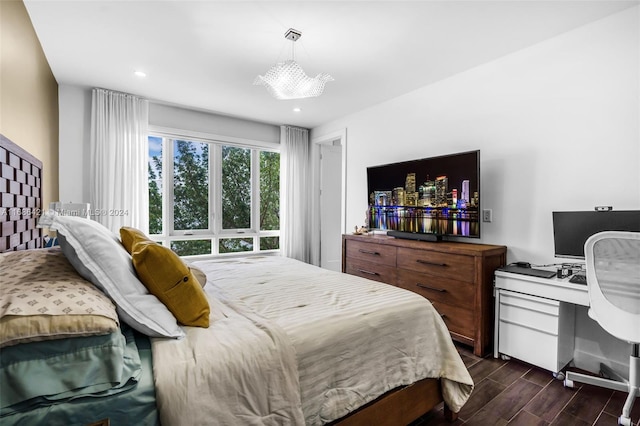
78,381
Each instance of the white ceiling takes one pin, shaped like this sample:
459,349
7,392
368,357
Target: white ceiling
206,54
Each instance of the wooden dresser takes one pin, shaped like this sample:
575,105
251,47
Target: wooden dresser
456,277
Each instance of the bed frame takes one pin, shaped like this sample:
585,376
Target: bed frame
21,203
20,186
399,406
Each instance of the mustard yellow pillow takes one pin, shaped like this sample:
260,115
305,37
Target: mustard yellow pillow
168,278
129,236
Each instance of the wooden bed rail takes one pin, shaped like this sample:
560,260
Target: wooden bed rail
399,406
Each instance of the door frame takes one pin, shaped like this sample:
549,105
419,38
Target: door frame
333,138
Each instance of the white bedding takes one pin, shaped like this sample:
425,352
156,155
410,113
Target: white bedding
290,343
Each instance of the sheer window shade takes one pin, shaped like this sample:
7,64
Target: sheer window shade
296,193
119,150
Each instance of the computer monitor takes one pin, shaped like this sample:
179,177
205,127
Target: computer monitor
572,229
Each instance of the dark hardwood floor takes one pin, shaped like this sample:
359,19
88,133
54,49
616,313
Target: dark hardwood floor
514,393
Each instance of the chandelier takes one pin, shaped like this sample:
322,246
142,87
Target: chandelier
287,80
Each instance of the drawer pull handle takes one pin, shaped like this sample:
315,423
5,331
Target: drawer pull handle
426,262
375,253
367,272
441,290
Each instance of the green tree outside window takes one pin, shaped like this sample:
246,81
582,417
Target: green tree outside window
191,187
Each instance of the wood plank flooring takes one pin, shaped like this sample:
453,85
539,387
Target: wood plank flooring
514,393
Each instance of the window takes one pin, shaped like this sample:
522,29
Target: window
155,185
190,185
236,188
269,198
213,198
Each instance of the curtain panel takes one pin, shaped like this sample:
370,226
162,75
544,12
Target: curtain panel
119,184
295,197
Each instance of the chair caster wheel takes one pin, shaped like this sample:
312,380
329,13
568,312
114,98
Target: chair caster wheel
559,375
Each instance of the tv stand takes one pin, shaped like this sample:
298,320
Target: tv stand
456,277
415,236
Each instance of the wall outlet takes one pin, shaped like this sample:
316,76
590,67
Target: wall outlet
487,215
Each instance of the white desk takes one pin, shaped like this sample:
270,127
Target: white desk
535,319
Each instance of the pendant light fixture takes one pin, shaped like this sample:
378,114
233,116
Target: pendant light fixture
287,80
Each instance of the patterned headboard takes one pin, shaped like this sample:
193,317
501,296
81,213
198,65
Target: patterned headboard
21,203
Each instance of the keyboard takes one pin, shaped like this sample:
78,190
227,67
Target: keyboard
528,271
578,279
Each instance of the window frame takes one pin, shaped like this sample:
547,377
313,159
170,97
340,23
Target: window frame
214,232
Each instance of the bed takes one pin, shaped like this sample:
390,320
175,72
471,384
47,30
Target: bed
270,341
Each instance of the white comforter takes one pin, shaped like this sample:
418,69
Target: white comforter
290,343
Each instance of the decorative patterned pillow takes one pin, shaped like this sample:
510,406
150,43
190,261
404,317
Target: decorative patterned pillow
43,298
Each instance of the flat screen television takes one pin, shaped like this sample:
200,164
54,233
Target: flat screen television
572,229
426,199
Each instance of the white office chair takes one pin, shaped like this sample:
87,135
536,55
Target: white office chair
613,280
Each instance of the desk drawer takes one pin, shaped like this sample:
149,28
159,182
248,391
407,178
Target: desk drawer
372,271
536,330
438,289
528,329
371,252
529,345
441,264
529,311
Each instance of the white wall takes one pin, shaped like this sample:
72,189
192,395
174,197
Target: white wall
175,117
557,124
75,134
75,125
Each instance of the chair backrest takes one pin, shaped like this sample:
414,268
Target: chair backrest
613,277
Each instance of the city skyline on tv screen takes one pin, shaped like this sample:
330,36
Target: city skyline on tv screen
443,175
436,195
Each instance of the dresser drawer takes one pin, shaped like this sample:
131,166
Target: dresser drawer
441,264
456,277
371,252
452,292
458,319
373,271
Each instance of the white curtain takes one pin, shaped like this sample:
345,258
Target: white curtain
295,196
119,160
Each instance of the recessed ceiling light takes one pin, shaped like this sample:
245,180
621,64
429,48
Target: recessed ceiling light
140,73
297,109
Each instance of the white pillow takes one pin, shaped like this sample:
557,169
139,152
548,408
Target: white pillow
97,254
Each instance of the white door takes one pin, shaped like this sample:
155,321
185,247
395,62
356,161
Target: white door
330,207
